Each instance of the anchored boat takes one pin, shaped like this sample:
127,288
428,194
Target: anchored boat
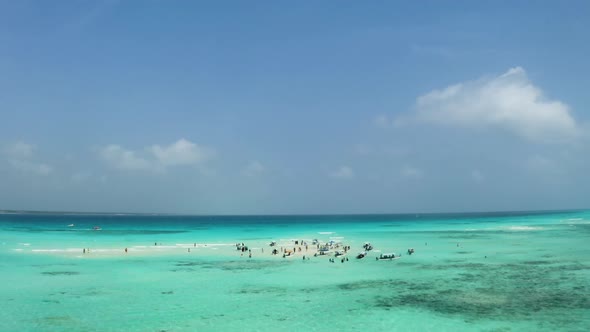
389,256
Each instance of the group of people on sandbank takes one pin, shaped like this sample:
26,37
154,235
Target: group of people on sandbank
337,249
243,248
315,248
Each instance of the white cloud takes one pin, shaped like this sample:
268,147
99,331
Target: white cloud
20,155
509,101
384,121
80,177
31,167
182,152
118,157
412,172
253,168
20,150
477,176
344,172
156,157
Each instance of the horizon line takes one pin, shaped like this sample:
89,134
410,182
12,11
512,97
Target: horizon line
48,212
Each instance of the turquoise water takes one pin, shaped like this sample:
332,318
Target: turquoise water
470,272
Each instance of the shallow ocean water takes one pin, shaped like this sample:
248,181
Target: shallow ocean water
470,272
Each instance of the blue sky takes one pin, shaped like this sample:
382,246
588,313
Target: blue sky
294,107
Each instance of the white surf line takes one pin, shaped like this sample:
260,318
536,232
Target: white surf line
67,250
524,228
49,250
206,244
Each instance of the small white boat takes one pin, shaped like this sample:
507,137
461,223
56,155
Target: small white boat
71,225
389,256
361,255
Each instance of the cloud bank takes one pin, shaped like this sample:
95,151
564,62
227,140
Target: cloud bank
31,167
156,157
344,172
412,172
20,150
20,156
182,152
510,102
253,168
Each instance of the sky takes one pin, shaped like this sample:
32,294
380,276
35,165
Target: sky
294,107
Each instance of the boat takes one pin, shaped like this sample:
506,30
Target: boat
71,225
324,250
361,255
389,256
339,253
97,228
